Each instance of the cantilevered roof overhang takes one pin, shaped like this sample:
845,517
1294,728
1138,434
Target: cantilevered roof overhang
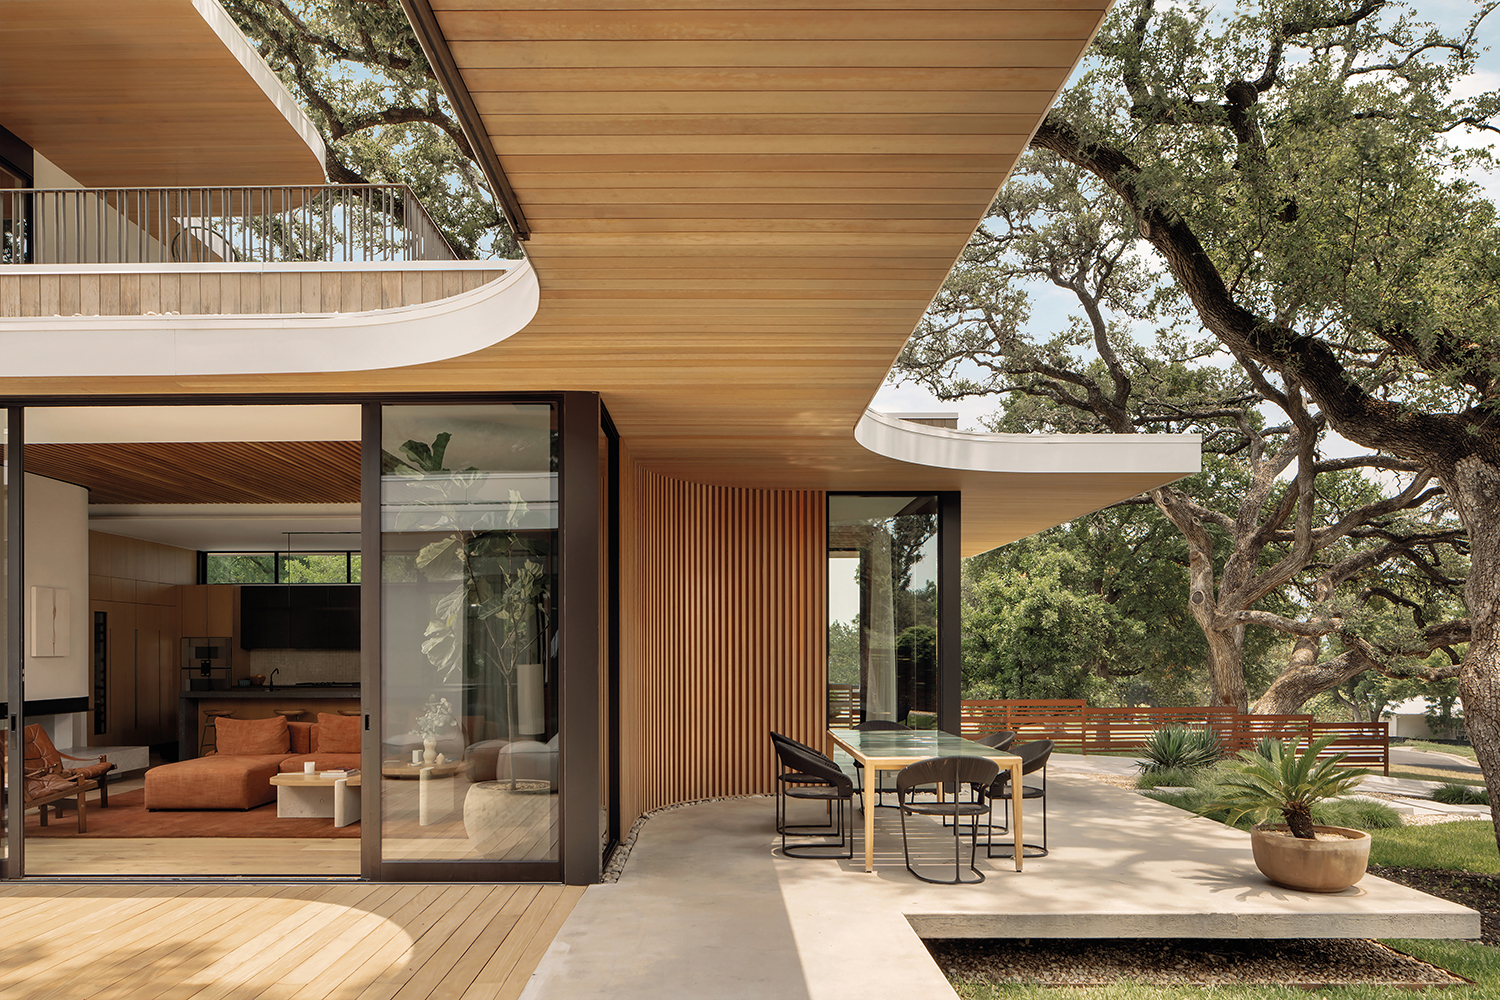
149,93
738,212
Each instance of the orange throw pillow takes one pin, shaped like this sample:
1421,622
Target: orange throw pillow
338,733
253,736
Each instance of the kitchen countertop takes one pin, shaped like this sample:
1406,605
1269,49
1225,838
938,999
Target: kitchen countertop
281,691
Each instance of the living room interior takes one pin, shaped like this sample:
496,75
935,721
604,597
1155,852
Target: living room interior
202,565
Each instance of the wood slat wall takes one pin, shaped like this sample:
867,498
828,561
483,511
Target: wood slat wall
723,635
223,293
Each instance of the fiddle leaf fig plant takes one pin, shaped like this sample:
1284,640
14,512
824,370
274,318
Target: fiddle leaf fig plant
1275,778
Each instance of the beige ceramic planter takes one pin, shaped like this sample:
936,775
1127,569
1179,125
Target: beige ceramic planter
1313,865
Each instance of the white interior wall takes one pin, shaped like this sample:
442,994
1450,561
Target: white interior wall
78,240
57,555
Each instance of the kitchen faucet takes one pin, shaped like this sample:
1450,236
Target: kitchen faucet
271,685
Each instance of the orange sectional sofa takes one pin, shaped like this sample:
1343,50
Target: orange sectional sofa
251,752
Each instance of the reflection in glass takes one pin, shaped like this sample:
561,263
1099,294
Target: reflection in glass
5,797
882,609
469,584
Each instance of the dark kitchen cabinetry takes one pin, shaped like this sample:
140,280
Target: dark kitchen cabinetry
300,616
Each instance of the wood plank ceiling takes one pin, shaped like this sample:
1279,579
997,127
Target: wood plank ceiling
739,211
146,94
204,472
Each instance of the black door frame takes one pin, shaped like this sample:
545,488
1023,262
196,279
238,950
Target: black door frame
580,416
950,603
14,863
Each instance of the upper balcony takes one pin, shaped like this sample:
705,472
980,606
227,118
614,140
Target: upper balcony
315,278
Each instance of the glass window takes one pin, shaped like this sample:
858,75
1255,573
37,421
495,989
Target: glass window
241,567
282,567
469,733
882,609
312,567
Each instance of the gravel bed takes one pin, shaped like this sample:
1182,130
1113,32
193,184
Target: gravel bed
1182,962
1477,892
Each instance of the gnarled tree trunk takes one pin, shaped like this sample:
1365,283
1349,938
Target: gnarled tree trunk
1474,485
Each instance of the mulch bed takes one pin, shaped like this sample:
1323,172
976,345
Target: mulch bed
1477,892
1183,962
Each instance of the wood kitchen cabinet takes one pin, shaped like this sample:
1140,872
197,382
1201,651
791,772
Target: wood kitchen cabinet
210,611
135,663
141,673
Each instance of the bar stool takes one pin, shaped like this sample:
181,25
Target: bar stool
350,711
291,714
210,738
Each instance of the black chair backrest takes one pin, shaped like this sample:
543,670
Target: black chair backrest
1033,755
795,757
997,741
971,770
879,725
777,738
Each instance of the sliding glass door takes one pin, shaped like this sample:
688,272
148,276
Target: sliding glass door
12,812
469,577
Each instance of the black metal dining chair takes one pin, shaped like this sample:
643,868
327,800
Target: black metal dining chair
976,772
874,726
997,741
818,779
1034,757
789,775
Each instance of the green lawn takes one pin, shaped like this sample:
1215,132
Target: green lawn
1465,845
1474,961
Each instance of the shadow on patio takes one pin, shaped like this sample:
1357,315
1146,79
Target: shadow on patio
708,906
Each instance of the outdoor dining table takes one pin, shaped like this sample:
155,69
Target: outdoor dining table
893,749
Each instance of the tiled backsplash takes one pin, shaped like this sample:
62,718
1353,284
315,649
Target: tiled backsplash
299,666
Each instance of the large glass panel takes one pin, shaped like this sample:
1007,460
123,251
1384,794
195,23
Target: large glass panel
882,609
5,670
469,547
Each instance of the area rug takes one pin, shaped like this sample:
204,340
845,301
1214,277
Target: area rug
127,818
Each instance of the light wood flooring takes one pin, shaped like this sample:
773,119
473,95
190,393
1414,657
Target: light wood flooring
278,942
192,856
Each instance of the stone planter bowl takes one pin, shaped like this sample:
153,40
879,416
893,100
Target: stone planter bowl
1311,865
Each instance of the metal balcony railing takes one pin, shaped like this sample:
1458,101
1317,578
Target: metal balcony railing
330,223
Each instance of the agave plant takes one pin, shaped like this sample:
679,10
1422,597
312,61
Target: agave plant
1179,747
1274,777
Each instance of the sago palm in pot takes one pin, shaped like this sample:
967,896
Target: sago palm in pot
1273,779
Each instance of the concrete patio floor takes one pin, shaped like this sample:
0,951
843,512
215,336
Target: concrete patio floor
708,907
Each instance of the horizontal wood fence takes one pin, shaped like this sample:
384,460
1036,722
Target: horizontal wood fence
1078,728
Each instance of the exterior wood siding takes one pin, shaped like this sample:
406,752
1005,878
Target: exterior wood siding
227,293
722,635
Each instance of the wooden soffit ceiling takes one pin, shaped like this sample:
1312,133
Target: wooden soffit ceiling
233,472
739,210
149,93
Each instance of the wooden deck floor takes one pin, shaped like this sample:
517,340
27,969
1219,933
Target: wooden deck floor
141,941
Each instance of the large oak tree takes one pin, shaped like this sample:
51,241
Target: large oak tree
1293,167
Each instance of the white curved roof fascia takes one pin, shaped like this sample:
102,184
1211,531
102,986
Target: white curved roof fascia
261,267
68,346
265,78
921,444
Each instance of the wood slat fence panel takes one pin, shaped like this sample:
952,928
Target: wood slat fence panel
1130,728
1251,729
843,705
1056,719
1368,744
1078,727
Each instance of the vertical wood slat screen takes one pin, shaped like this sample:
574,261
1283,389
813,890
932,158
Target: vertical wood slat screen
722,635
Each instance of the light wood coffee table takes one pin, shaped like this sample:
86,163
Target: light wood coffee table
301,795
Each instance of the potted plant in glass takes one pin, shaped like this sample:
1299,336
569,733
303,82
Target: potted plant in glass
1298,853
436,717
